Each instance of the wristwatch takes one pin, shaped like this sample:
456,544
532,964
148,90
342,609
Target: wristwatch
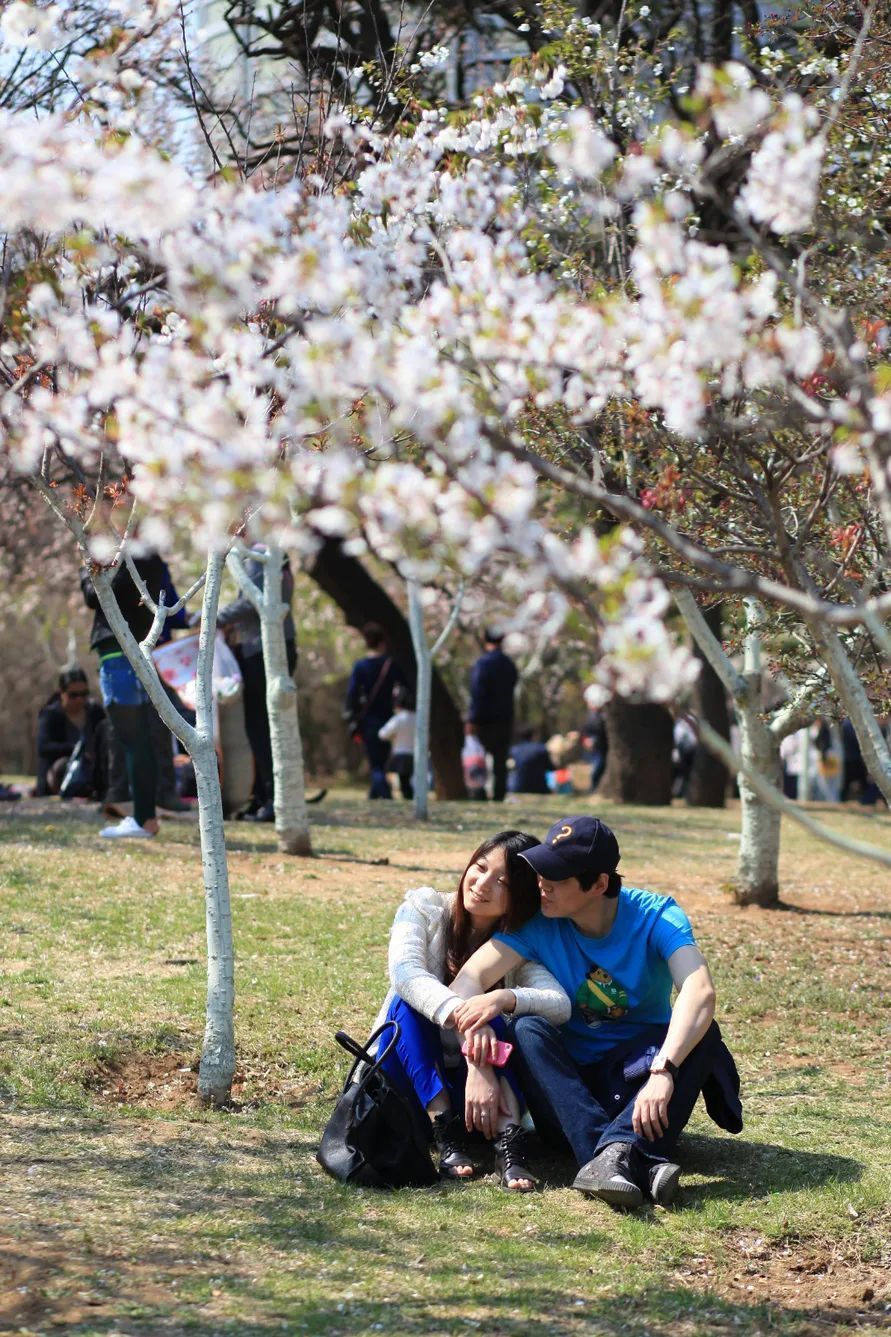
663,1064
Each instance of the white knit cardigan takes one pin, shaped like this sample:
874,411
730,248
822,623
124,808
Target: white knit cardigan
417,963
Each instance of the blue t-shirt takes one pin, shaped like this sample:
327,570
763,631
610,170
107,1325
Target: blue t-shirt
617,984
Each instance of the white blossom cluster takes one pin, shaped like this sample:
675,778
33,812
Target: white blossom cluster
362,365
784,176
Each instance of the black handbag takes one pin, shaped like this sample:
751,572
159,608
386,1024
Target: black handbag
374,1139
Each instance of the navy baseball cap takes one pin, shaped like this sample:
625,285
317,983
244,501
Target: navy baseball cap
579,847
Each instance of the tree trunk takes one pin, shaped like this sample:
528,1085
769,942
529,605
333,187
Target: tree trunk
361,599
217,1066
757,873
288,778
638,769
422,698
707,786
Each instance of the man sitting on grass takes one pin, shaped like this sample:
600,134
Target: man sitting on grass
621,1077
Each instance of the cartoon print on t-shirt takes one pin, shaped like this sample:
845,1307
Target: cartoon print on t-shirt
600,998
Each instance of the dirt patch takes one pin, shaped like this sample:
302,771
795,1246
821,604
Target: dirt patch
44,1283
830,1280
169,1082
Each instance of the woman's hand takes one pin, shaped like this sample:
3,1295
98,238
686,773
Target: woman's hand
481,1045
482,1008
482,1099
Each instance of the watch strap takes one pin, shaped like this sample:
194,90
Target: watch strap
664,1065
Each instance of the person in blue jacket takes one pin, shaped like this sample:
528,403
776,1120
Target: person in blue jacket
369,703
490,717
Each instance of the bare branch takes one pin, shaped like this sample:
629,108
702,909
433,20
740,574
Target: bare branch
450,624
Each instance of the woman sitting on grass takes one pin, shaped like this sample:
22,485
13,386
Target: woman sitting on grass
432,937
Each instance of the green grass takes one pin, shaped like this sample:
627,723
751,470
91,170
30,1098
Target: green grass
130,1209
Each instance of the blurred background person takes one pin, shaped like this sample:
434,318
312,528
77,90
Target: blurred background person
490,718
70,720
528,764
240,624
369,704
399,732
596,744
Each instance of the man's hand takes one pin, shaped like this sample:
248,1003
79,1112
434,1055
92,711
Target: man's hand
650,1116
482,1008
482,1100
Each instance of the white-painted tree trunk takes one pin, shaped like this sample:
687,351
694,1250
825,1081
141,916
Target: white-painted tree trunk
291,815
217,1066
757,870
423,691
758,867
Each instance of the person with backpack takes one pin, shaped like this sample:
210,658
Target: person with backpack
369,704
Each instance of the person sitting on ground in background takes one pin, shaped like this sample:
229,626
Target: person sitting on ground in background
490,717
561,747
369,703
530,762
431,938
68,718
399,732
618,1080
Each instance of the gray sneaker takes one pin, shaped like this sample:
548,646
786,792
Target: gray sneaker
664,1178
611,1175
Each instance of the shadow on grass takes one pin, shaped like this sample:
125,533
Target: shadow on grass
787,907
205,1222
737,1170
740,1170
90,1291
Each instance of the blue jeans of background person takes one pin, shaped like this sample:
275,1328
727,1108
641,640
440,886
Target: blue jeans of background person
598,766
378,753
592,1104
130,711
416,1065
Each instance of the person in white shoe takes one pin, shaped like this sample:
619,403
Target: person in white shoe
620,1078
123,695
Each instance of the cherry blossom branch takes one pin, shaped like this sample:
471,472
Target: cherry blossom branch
730,579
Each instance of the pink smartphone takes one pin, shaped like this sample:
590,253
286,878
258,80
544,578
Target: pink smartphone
503,1051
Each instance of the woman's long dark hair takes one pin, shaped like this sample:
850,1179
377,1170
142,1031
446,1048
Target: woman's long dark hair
522,895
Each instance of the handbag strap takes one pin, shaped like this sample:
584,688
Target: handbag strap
361,1052
378,684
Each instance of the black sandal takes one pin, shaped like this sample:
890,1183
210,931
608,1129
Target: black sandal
448,1134
510,1150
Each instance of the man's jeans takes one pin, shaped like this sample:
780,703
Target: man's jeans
592,1104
